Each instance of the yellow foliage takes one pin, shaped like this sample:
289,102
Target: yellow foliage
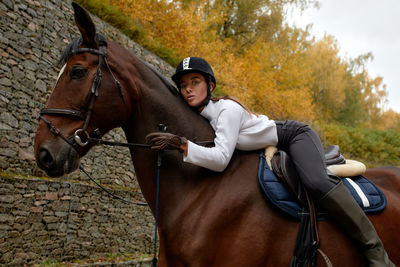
283,74
389,120
329,73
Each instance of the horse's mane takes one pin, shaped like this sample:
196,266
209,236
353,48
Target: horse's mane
167,83
68,50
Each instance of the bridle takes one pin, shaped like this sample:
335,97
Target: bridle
81,136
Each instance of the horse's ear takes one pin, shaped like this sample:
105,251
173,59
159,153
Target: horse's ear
85,25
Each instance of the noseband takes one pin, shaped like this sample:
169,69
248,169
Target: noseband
81,136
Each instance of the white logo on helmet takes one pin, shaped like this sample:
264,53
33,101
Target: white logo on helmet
186,63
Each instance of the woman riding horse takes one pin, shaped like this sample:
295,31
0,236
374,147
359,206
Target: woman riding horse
237,128
206,218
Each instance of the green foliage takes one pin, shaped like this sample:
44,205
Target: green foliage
11,176
374,147
114,16
110,259
50,263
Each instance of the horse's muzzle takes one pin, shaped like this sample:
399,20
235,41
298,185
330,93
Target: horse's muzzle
57,159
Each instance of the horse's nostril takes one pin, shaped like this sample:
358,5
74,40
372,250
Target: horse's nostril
46,159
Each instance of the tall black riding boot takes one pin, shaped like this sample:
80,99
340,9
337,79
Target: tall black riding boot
345,211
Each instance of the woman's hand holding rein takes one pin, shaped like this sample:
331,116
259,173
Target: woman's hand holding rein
162,141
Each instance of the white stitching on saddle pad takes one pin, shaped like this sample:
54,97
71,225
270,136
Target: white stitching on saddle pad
360,193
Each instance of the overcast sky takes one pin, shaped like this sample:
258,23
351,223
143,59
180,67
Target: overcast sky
362,26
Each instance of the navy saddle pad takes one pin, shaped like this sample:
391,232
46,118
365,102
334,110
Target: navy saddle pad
367,194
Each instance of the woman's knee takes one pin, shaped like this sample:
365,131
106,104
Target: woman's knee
319,187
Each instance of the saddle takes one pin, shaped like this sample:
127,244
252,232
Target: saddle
279,181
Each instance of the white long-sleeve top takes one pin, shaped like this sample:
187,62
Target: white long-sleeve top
234,128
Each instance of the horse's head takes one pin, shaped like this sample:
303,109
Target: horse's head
87,100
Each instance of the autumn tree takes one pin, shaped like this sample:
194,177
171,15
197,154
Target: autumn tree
390,119
329,74
273,68
365,96
246,21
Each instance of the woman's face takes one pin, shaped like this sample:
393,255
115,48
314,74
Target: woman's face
193,88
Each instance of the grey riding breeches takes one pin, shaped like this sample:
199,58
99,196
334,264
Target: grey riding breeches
304,147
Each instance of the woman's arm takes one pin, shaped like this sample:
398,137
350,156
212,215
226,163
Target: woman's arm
227,128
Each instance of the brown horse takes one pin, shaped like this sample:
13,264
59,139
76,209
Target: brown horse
206,218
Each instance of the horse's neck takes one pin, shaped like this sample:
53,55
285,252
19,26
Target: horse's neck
155,105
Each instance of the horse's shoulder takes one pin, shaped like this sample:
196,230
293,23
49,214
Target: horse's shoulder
244,161
251,154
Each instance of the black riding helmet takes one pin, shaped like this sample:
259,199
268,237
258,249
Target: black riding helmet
195,64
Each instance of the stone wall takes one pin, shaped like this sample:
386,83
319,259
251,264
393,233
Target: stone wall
33,34
42,219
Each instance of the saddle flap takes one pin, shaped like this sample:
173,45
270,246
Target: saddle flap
283,167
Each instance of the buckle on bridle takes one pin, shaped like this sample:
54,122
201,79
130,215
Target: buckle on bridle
80,139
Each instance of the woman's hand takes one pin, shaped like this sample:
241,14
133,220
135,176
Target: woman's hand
161,141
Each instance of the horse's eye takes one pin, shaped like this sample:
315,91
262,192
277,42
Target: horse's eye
77,73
